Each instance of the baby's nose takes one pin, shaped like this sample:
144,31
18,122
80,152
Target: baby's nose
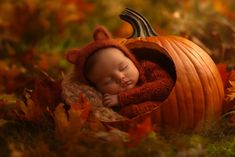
120,77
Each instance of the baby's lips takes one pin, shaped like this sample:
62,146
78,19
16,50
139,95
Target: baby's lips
127,83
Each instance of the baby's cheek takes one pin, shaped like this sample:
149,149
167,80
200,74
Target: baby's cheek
114,89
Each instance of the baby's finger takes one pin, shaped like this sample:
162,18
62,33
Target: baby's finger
107,103
106,94
106,99
110,104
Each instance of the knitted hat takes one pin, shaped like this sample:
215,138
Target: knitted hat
102,39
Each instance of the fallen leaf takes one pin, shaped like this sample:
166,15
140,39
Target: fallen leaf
29,111
46,91
61,120
231,75
139,131
230,92
69,123
223,72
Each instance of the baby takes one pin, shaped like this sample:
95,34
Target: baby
129,86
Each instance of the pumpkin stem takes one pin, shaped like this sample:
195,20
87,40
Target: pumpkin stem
141,26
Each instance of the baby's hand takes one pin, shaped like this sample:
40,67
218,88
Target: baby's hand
110,100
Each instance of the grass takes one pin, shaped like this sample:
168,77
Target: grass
35,140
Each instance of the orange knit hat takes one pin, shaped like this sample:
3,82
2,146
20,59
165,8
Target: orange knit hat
102,39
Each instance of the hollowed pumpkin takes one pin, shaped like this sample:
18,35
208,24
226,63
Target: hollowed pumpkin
196,98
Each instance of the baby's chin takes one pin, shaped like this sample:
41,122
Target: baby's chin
129,86
125,88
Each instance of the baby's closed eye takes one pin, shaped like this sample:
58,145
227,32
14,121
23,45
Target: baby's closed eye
123,67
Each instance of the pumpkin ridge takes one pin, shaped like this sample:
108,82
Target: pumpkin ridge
196,87
182,109
210,101
190,99
204,80
198,49
214,73
217,82
210,106
196,107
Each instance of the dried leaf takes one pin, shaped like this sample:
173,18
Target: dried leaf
47,93
230,92
139,132
232,75
29,111
84,106
70,123
8,105
61,119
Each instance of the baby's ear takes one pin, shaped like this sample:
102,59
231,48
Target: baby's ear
72,55
101,33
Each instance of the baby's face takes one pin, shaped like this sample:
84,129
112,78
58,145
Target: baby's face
113,72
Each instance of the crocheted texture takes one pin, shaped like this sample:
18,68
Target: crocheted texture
134,110
102,39
155,88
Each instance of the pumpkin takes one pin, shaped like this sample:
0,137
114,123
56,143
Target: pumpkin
196,98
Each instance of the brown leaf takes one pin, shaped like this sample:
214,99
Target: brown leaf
46,94
61,120
69,124
9,104
29,111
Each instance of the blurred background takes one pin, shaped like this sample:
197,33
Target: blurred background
37,33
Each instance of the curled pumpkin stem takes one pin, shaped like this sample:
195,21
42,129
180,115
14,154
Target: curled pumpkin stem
141,26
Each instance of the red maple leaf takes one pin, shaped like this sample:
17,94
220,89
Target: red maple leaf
139,131
231,76
82,106
223,72
47,93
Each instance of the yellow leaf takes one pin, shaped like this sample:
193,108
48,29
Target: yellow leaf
61,119
68,123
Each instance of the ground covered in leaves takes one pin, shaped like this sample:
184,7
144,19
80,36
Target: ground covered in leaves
34,37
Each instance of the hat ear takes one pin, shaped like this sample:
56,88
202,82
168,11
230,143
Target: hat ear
72,55
101,33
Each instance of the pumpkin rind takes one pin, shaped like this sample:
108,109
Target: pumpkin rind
197,96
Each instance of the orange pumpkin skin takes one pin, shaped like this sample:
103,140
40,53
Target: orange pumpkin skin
197,96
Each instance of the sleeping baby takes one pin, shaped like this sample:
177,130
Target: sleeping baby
129,86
